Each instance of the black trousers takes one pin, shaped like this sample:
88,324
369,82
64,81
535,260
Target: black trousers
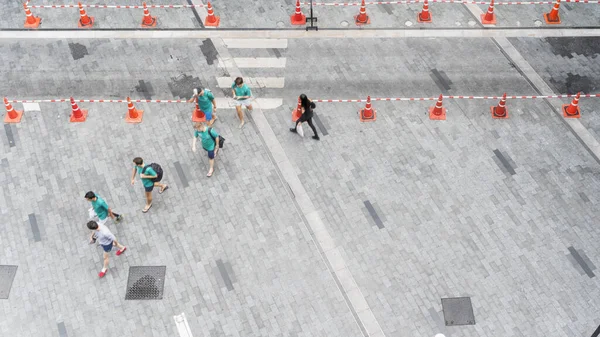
305,118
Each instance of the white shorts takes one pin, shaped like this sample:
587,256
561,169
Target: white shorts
94,216
244,102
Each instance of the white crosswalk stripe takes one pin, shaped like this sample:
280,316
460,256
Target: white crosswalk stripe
254,82
255,62
232,62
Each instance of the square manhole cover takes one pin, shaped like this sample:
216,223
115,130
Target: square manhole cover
146,283
7,275
458,311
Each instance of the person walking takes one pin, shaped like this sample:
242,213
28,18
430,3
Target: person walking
206,101
307,115
243,97
210,142
151,176
101,209
105,238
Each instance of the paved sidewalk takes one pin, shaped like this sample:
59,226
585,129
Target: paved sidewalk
419,210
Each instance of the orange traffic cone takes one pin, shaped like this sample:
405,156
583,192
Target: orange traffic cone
31,21
77,115
489,18
148,21
297,113
553,18
437,112
572,110
362,18
133,115
500,110
198,115
298,18
85,21
12,116
424,16
211,19
367,114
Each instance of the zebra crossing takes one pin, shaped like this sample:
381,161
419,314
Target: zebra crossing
254,63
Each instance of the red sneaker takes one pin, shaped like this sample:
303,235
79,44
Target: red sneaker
102,273
119,252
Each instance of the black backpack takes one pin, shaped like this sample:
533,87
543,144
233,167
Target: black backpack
157,169
221,139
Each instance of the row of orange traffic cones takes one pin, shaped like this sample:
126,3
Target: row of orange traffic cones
86,21
368,114
489,18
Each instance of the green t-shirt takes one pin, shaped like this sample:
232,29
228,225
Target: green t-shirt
204,101
243,91
147,182
208,143
100,207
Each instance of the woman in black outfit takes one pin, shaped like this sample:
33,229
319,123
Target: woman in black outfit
307,115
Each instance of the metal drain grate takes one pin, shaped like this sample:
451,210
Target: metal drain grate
458,311
146,283
7,275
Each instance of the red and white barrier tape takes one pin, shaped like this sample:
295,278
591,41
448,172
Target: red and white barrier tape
449,1
449,97
117,6
64,100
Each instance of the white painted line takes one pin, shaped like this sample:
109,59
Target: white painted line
253,62
265,103
298,34
182,325
254,82
31,107
256,43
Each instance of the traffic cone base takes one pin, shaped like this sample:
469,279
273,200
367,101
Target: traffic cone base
566,113
368,117
84,114
16,118
214,23
198,116
440,117
488,22
80,24
359,23
295,20
151,23
34,24
137,119
497,114
551,21
420,18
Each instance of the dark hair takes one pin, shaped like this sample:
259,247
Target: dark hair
305,102
92,225
90,195
138,160
199,89
239,80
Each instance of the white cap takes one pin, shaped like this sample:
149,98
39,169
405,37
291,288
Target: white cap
440,335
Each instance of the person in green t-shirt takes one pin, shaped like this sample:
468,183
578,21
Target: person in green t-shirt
242,96
210,143
101,209
206,102
149,179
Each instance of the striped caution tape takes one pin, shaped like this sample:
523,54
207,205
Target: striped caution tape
448,97
117,6
314,100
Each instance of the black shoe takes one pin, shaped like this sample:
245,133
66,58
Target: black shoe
315,137
293,130
119,218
